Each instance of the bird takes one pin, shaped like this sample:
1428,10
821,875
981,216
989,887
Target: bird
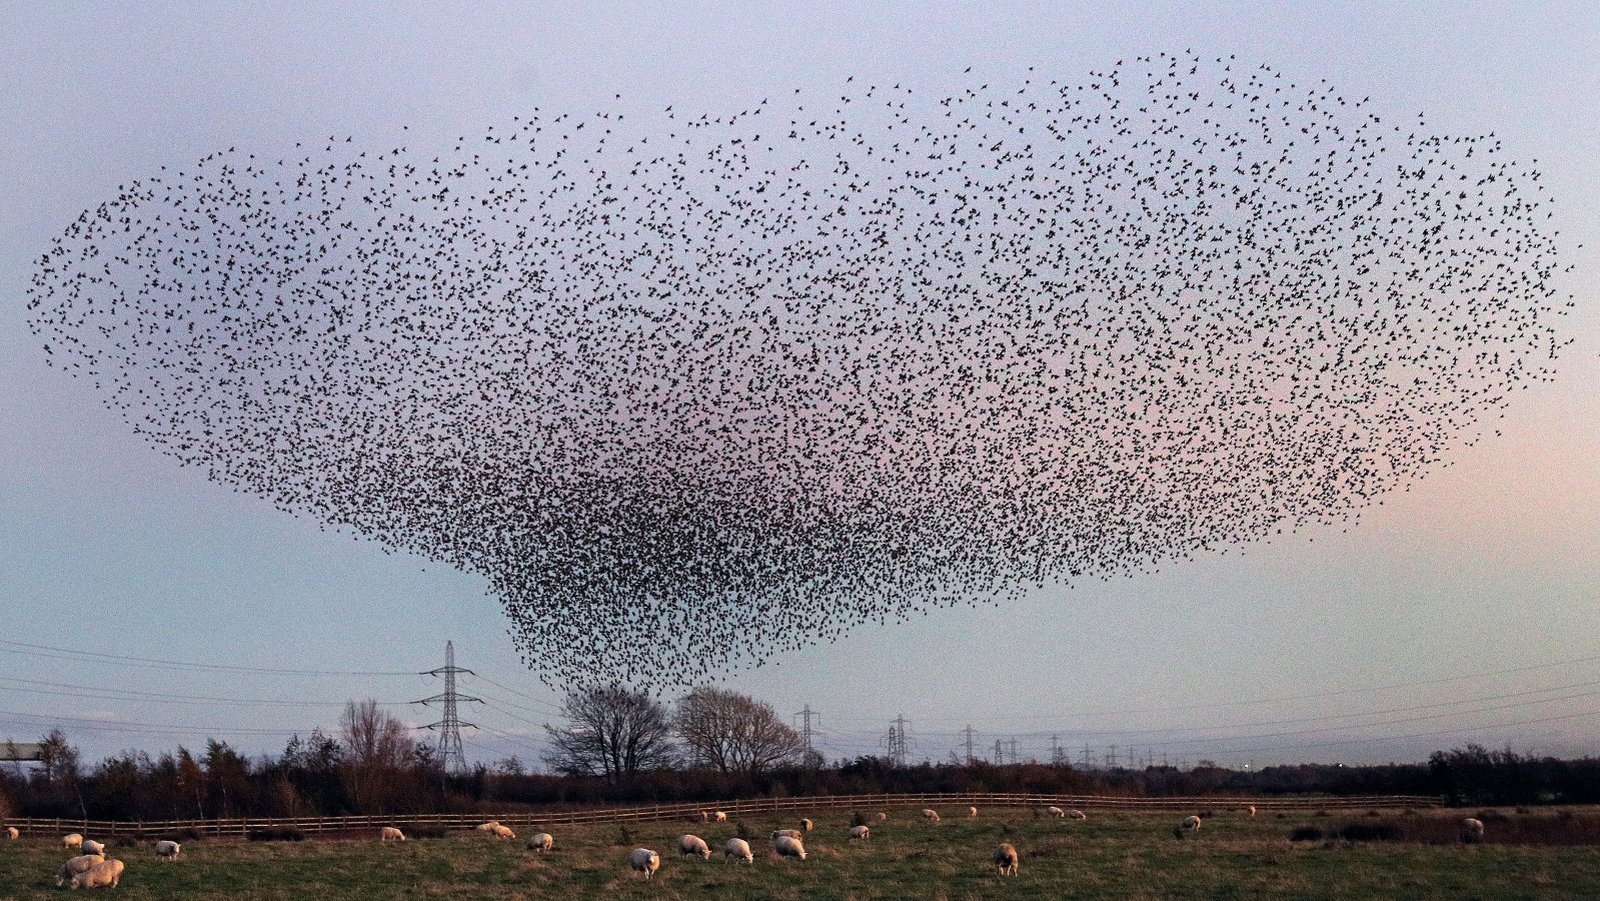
692,393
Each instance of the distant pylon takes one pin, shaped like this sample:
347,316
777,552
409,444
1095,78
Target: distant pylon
970,756
805,732
449,727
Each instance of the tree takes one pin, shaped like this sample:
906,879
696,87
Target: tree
379,752
735,733
613,732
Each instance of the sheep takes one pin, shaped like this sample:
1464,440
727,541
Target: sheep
488,828
789,846
12,833
791,833
719,817
931,815
1005,860
541,842
1189,824
106,872
1076,814
92,847
805,825
72,840
1471,829
1055,811
859,833
391,834
882,816
1251,809
167,850
972,812
645,861
739,849
76,865
504,832
693,844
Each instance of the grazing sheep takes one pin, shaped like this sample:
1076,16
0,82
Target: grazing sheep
541,842
12,833
645,861
168,850
931,815
1005,860
882,816
805,825
488,828
1189,824
106,872
739,849
72,840
1055,811
391,834
789,846
693,844
1076,814
92,847
1252,809
1471,829
719,817
76,865
972,812
859,833
504,832
791,833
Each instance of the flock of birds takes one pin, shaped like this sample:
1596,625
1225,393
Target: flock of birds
693,391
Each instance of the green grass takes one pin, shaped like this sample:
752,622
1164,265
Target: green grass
1121,856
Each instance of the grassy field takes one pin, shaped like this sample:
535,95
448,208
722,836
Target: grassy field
1121,856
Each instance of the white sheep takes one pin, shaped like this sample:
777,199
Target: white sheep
93,847
106,872
1055,811
719,817
76,865
859,833
72,840
1189,824
789,846
972,812
391,834
488,828
931,815
541,842
882,816
739,849
805,825
12,833
1005,860
791,833
693,844
504,832
1076,814
645,861
168,850
1471,829
1252,809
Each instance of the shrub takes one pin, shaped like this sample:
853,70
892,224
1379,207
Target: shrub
423,830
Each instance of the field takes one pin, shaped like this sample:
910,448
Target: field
1540,854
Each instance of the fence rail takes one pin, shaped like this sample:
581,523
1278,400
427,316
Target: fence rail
750,806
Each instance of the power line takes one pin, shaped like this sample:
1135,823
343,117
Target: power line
39,650
101,693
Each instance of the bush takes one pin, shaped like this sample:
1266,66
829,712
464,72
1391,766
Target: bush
1306,834
421,830
275,834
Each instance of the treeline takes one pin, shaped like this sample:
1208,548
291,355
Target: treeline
620,747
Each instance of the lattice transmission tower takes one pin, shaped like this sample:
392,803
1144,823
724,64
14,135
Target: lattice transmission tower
449,726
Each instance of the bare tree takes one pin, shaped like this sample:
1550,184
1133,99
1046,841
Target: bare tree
612,732
735,733
378,748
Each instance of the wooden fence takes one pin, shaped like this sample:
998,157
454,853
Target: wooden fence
751,807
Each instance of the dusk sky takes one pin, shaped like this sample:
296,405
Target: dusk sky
1463,610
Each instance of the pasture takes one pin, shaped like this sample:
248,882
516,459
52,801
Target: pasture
1540,854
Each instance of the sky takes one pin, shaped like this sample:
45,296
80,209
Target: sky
1462,610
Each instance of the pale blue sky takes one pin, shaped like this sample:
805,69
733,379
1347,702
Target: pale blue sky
108,547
